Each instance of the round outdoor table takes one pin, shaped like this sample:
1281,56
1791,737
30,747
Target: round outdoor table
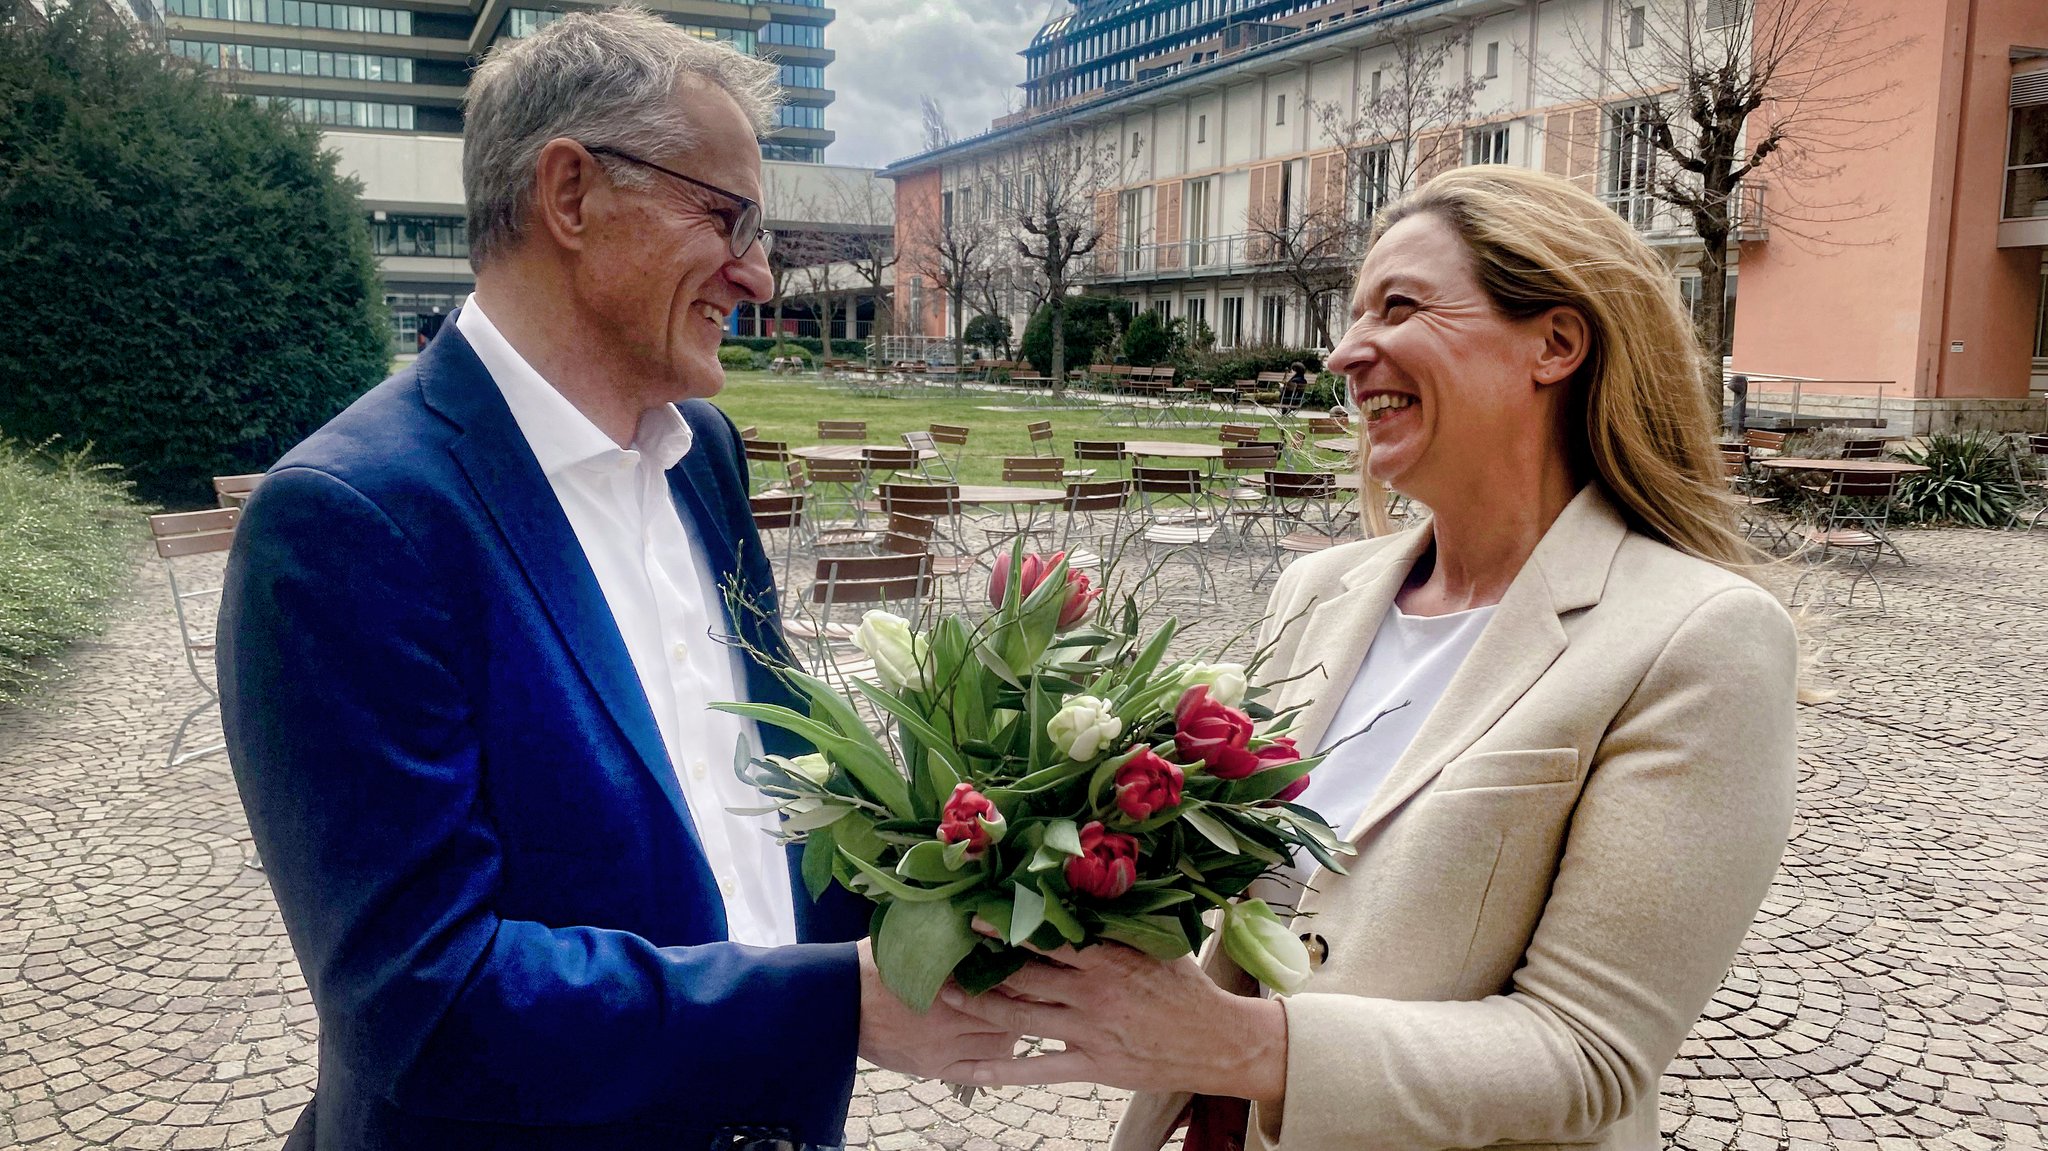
1859,467
1337,444
852,453
1173,450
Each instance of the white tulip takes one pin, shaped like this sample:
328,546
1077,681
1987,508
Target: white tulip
1083,727
813,767
1225,681
899,653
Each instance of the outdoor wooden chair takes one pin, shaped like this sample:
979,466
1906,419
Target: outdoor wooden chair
890,461
1034,470
1863,449
895,583
906,534
234,491
179,536
2033,450
1177,521
1301,514
842,429
1101,452
1237,433
1755,509
766,459
1093,518
950,440
1853,522
1762,441
783,513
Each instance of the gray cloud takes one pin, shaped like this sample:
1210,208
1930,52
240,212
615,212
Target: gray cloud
891,52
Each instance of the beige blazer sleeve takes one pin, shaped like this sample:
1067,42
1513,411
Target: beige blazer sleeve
1675,837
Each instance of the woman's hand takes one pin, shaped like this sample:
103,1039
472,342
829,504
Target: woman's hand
1129,1020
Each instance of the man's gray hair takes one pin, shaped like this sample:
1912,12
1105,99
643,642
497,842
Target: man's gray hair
607,78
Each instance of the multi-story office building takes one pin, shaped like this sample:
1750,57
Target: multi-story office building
1218,117
388,79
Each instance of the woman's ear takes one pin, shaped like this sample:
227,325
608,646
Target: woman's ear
1567,338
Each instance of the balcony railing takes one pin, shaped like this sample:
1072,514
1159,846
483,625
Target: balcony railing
1213,256
1659,221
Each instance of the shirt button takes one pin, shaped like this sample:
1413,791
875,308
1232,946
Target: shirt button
698,770
726,885
682,652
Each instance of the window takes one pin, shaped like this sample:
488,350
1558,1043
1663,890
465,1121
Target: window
1493,59
1280,109
801,76
348,113
1232,332
1634,29
420,236
799,35
2026,162
1631,162
1198,316
1273,320
383,21
1375,176
798,116
917,299
1137,142
1130,218
1197,229
294,61
800,153
1376,74
1201,129
1723,13
1487,145
1164,310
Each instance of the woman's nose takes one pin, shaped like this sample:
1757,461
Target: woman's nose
1354,352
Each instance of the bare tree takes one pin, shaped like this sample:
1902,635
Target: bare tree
1408,124
867,208
1062,205
938,133
1721,94
948,244
813,259
1309,242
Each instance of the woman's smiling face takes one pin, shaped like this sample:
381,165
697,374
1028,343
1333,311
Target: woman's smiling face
1443,380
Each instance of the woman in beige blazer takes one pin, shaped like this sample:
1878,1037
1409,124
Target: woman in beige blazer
1554,872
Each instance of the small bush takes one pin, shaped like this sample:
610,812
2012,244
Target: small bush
806,343
1227,367
734,358
991,332
64,551
1971,481
1150,340
793,352
1094,328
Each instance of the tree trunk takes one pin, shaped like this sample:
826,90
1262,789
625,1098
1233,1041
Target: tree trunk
959,338
825,330
1713,307
1057,302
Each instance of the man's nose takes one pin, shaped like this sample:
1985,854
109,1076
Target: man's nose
750,273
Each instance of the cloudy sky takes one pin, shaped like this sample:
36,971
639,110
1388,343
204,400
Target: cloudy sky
891,52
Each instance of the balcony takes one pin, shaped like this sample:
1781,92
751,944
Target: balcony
1182,260
1662,224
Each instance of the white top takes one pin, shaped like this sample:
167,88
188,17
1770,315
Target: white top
1411,661
659,590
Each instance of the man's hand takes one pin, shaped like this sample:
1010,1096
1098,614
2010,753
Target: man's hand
938,1044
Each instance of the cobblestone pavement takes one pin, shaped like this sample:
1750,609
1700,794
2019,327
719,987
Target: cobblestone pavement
1890,995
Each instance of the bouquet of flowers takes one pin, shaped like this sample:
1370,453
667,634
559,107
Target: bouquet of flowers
1048,771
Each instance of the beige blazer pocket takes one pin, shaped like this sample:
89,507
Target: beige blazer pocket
1510,769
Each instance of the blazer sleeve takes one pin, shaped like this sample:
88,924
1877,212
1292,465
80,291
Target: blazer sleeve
1679,829
353,744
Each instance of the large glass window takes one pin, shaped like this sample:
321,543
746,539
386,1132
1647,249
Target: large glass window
420,236
2026,171
1231,334
1631,162
1487,145
295,62
346,17
800,35
801,153
349,113
798,116
802,76
1375,181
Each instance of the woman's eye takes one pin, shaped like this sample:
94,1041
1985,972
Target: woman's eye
1398,308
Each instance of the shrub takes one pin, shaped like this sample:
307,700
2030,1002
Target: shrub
1971,481
991,332
1094,328
1227,367
734,358
1150,340
794,352
185,281
768,343
64,552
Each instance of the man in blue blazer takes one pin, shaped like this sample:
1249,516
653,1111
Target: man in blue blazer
470,634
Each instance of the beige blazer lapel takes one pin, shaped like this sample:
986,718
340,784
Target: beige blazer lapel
1565,573
1338,631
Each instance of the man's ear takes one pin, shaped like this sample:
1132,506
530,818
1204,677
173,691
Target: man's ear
563,179
1567,338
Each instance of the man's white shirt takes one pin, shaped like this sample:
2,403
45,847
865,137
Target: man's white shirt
662,595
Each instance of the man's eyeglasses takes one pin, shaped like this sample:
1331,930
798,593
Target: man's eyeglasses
746,224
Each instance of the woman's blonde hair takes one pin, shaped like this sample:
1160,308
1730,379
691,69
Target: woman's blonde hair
1638,416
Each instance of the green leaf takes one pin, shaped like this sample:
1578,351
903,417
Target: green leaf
1263,785
995,663
1062,836
926,863
1211,829
819,852
987,966
1027,911
863,759
1061,917
918,946
903,891
818,817
913,720
1159,936
1142,903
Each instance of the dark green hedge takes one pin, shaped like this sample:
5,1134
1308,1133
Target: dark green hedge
185,282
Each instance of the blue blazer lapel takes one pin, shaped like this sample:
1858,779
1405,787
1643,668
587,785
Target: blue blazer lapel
508,480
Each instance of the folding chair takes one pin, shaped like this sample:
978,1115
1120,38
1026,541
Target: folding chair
1301,512
837,485
1175,515
951,441
1853,522
939,503
915,535
2033,449
1864,449
842,429
938,467
179,535
1755,509
890,461
767,460
1237,433
1034,470
1101,452
1087,506
895,583
780,513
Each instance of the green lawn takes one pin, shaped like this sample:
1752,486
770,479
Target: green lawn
788,409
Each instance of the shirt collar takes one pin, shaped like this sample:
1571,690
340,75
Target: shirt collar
561,436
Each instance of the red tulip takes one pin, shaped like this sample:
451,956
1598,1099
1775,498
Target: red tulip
1279,753
1081,595
1219,736
1146,785
1107,865
970,818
